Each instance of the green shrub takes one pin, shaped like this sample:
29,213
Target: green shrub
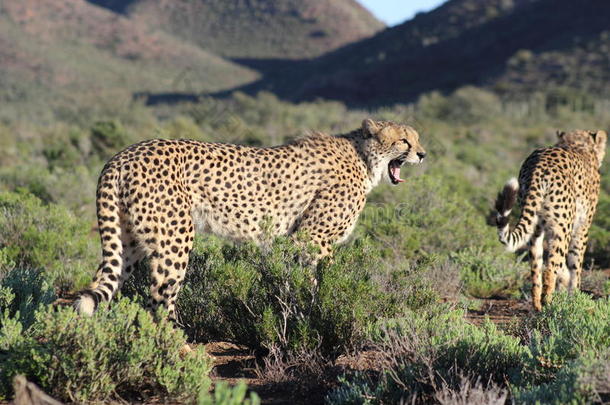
63,151
584,380
487,274
448,343
466,105
431,350
358,389
39,236
183,127
22,293
264,296
108,137
226,395
113,354
563,331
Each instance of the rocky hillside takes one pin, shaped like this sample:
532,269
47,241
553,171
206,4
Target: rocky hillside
512,46
286,29
57,54
52,49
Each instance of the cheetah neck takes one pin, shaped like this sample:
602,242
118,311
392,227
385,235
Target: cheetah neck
373,162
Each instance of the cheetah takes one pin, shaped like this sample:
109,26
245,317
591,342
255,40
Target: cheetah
152,196
558,189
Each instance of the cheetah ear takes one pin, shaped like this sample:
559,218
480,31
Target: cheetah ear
599,137
369,127
560,134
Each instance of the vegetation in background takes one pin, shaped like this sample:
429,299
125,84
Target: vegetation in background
40,236
415,245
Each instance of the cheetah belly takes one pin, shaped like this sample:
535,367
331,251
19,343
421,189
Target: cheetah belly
207,220
225,223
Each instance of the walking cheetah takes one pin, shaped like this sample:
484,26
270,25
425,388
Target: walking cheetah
558,190
151,196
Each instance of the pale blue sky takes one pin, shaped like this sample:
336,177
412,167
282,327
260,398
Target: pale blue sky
393,12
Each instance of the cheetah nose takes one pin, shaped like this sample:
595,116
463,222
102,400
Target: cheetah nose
421,155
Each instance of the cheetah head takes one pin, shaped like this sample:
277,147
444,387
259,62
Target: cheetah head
392,145
593,141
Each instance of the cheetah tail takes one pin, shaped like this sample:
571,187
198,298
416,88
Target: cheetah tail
525,227
504,205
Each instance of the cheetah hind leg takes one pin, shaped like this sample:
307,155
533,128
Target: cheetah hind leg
167,272
537,263
563,278
556,262
576,254
117,265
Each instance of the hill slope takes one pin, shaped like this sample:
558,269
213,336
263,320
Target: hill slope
61,50
465,42
291,29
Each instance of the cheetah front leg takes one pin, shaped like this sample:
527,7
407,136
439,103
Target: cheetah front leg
327,221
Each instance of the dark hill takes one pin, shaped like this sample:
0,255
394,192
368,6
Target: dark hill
511,46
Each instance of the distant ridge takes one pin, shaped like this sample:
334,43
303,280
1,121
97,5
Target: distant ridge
63,49
285,29
511,46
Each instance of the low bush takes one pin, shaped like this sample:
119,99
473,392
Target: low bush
46,236
564,331
22,293
487,274
584,380
427,355
429,352
117,353
226,395
270,296
108,137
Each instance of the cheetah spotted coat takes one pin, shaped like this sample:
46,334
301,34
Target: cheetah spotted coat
153,196
558,189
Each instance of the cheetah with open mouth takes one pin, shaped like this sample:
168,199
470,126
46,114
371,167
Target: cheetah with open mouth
153,195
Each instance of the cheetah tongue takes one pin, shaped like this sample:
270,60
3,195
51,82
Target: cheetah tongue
396,174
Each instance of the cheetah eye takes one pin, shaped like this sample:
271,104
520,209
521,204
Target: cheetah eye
407,142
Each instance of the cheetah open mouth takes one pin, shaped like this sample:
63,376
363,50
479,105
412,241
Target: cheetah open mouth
394,170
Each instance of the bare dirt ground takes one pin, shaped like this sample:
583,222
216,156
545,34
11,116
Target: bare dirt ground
234,363
502,312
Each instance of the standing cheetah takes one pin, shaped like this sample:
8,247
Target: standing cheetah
151,196
558,190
